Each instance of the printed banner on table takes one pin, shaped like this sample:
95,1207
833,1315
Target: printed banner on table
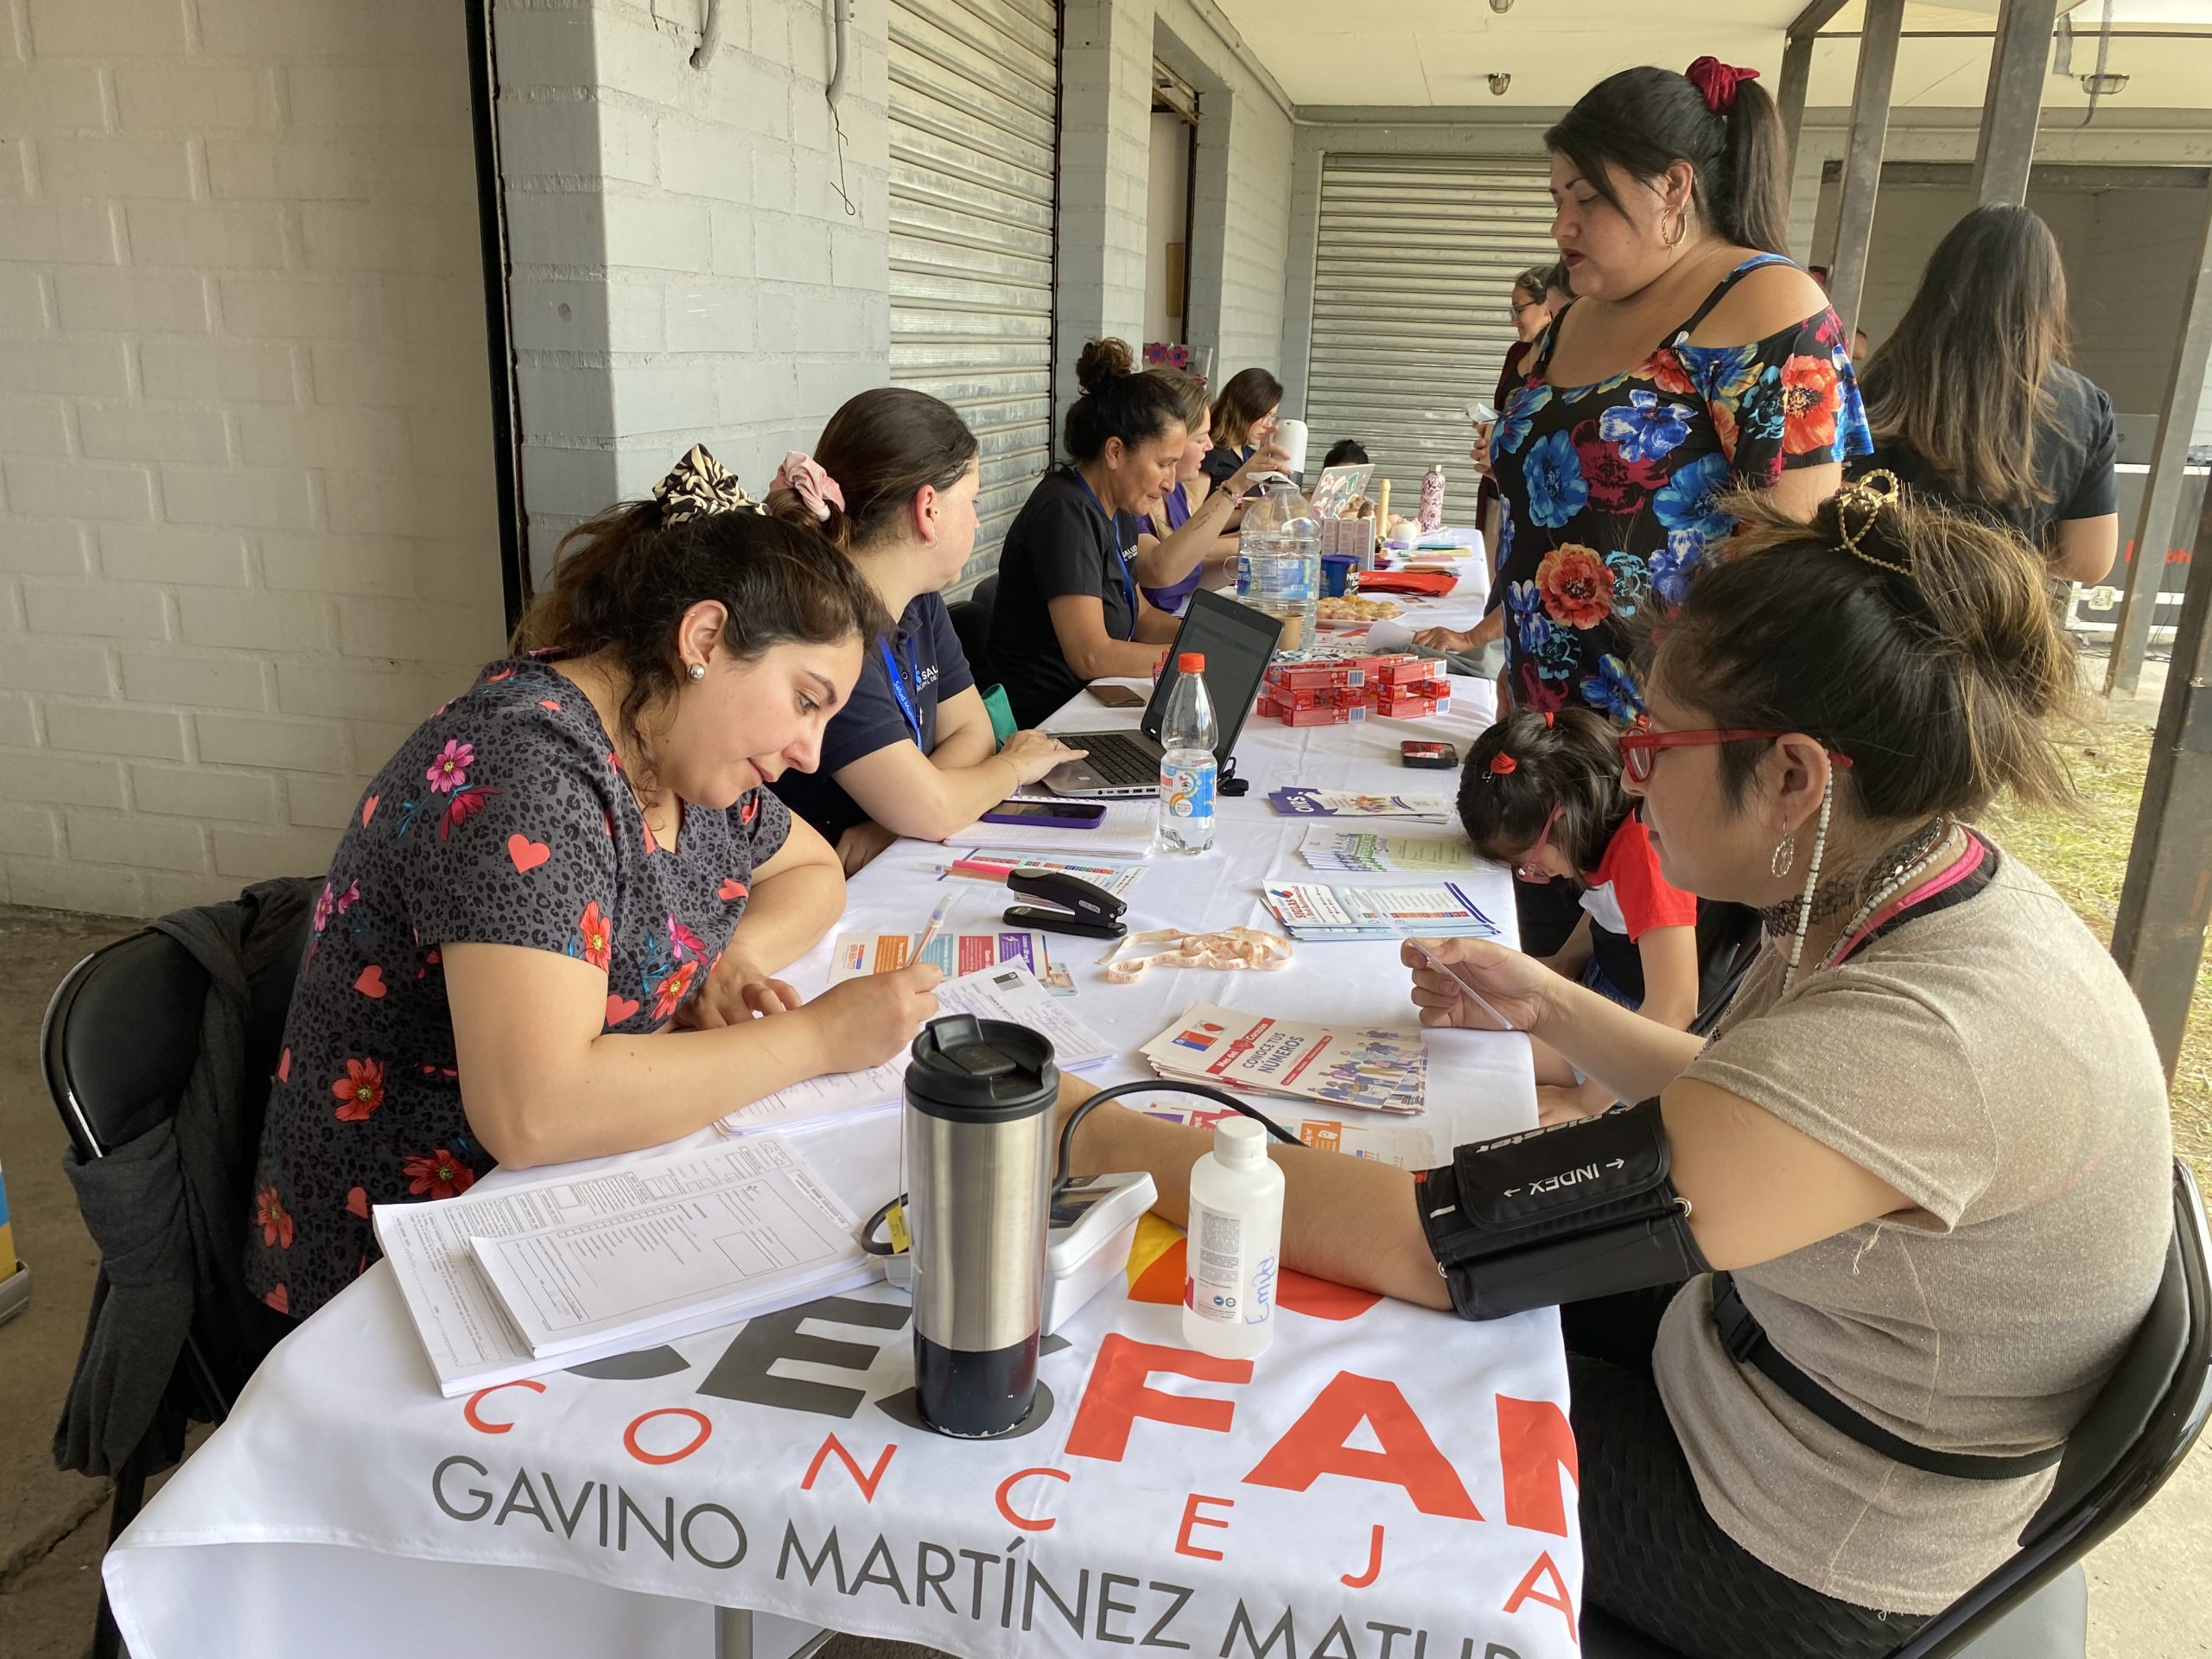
1384,1483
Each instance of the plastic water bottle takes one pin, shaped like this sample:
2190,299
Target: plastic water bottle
1186,762
1432,498
1279,561
1229,1290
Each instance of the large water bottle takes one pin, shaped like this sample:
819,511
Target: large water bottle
1187,734
1279,561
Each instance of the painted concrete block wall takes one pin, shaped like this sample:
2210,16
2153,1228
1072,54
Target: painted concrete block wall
1241,229
247,534
1105,167
695,261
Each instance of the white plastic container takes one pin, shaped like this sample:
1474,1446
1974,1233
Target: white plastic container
1236,1234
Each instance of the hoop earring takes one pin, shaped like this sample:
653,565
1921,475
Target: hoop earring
1785,855
697,671
1682,229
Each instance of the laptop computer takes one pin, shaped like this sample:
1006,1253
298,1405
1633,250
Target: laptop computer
1236,641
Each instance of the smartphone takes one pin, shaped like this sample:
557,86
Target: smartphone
1439,757
1118,696
1050,815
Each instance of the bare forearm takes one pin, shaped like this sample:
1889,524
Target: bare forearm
969,745
1634,1057
932,807
1108,658
1174,556
1350,1220
622,1093
786,915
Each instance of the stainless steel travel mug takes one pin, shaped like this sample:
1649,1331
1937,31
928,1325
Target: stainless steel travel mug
979,1124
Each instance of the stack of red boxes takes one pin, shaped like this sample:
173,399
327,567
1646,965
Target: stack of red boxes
1341,690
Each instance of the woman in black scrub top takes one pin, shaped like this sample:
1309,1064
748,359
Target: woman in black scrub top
893,482
1068,609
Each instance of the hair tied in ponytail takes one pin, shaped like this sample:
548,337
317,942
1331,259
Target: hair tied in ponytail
1502,764
1717,82
806,478
699,485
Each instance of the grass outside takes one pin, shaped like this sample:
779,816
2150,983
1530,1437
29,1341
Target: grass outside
2083,854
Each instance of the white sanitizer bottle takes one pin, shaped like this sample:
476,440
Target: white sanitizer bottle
1236,1234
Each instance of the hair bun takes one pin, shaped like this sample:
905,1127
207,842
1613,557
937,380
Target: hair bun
1102,362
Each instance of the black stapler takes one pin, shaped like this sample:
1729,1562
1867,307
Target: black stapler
1081,907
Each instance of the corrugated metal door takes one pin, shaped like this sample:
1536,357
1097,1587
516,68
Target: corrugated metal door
975,153
1413,280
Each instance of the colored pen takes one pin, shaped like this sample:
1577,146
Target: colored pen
936,921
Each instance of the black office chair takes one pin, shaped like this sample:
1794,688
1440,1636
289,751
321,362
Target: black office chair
971,621
2133,1437
119,1041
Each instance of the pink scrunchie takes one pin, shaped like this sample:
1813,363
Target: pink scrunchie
1717,82
802,473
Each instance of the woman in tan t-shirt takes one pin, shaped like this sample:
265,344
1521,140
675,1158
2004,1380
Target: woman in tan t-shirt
1930,1140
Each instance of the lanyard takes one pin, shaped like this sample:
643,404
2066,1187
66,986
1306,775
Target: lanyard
908,706
1121,562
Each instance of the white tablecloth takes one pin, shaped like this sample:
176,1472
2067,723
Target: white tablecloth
1381,1469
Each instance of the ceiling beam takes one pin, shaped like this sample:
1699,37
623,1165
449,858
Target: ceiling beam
1816,17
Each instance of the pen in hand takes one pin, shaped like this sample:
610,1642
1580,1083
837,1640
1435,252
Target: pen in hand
930,929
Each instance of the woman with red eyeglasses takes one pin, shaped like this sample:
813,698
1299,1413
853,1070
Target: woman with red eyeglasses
1839,1285
1542,792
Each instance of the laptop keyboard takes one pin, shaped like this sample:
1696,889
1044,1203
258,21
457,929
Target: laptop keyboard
1123,761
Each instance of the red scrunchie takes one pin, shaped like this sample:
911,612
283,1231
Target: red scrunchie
1717,82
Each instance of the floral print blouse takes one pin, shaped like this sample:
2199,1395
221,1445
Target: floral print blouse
503,820
1610,489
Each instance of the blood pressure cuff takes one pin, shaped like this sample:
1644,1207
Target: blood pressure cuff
1558,1215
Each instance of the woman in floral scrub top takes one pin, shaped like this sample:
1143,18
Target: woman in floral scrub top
551,874
1693,362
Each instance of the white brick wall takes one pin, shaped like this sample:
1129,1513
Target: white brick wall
683,268
247,532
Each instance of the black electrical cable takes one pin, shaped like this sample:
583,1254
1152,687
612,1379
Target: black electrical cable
1067,1129
1061,1178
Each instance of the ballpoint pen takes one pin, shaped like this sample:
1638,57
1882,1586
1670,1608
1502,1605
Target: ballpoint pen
930,928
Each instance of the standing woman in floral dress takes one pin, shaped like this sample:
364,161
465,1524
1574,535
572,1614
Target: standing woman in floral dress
1695,360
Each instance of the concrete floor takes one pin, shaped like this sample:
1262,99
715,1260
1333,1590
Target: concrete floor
2145,1584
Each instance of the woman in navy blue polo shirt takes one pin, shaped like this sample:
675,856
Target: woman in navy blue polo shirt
1068,609
911,753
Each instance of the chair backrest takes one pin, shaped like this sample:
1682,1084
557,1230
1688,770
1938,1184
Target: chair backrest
120,1038
2132,1439
121,1033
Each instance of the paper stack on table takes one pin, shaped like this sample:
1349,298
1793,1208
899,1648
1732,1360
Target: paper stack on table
856,956
1365,853
739,1231
1345,804
1009,993
472,1340
1384,1069
1441,911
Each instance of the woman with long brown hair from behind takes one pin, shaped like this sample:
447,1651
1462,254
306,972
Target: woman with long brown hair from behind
1971,399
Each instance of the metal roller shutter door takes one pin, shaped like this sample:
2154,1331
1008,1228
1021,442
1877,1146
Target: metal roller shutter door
974,119
1412,306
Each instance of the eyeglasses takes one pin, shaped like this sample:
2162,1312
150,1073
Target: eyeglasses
1640,748
1531,868
1520,306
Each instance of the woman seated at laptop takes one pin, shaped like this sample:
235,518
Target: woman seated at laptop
911,753
1068,609
1184,544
